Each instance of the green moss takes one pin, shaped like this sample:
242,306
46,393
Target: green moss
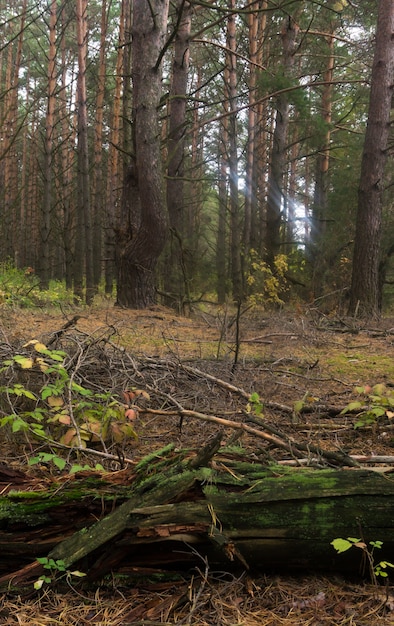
360,366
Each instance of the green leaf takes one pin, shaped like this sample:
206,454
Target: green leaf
60,565
28,394
352,406
59,462
379,389
79,468
57,357
341,545
298,406
34,460
48,391
19,424
378,411
39,583
81,390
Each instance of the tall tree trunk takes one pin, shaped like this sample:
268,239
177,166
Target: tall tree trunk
140,249
83,241
97,181
116,175
221,241
67,156
195,202
13,37
364,293
46,214
235,218
256,28
176,279
279,148
320,197
17,225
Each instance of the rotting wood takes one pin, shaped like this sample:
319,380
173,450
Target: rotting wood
233,512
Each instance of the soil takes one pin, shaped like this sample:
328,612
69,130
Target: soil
300,368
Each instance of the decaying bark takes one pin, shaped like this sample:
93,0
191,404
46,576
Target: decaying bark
176,508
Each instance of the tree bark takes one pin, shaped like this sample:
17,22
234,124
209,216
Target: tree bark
98,172
139,250
116,167
364,292
221,239
278,165
83,240
235,217
176,280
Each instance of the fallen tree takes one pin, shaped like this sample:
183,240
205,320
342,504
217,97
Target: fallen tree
175,509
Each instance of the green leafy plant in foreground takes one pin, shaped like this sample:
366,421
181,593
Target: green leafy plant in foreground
376,569
51,407
377,402
54,568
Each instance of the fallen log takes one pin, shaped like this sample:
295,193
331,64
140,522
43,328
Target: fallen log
176,508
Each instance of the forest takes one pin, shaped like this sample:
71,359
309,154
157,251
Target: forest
196,312
218,150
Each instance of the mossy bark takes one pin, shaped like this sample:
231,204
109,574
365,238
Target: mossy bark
233,513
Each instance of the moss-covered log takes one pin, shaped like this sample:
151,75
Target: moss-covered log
170,512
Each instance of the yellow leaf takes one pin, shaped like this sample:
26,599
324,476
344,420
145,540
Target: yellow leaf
32,342
25,362
42,364
55,401
40,347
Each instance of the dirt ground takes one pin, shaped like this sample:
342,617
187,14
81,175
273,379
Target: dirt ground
303,366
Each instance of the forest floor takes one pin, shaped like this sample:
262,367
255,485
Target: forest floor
304,367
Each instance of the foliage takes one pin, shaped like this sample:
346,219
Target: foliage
255,405
375,569
267,285
54,567
21,288
295,93
59,410
377,402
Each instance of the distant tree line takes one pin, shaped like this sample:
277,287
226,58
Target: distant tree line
173,150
